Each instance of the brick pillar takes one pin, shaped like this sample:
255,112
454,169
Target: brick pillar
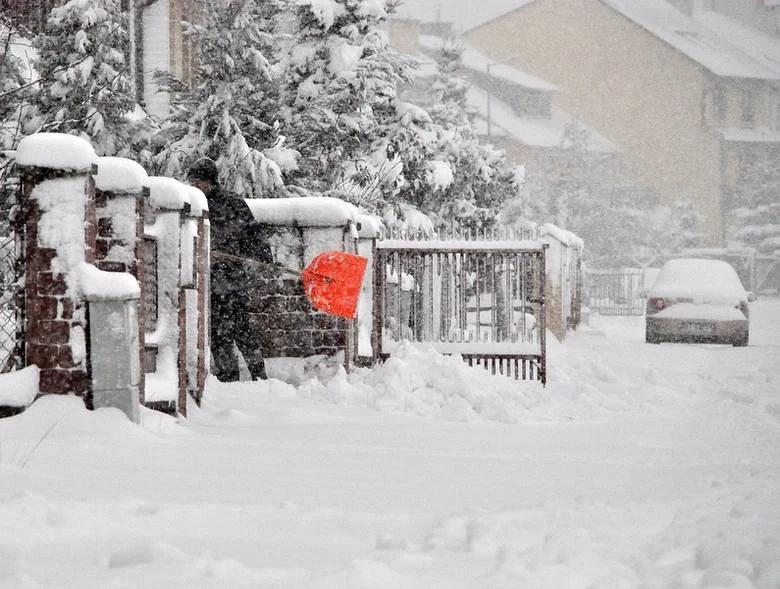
120,187
57,201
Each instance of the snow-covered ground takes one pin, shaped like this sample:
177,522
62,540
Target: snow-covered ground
639,466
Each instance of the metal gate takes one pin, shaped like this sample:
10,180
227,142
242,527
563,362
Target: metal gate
481,299
616,292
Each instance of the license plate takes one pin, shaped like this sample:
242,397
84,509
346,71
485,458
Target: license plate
698,328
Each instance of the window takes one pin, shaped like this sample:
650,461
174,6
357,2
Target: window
721,103
777,111
748,107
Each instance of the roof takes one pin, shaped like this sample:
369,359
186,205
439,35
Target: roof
718,43
479,62
719,54
504,120
761,47
531,131
757,135
463,14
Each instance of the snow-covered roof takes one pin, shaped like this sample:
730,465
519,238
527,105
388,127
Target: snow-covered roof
463,14
308,211
757,135
721,55
56,151
531,131
761,47
117,174
474,59
717,42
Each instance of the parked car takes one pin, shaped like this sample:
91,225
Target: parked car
697,300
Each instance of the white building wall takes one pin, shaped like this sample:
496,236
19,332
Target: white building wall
157,52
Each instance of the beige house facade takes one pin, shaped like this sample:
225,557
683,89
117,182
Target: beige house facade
682,103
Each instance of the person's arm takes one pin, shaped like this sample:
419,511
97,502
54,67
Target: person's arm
253,242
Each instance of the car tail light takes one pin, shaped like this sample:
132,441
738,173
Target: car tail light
657,304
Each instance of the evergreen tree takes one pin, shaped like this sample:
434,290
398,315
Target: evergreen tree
482,179
448,174
84,84
340,95
15,78
229,112
755,220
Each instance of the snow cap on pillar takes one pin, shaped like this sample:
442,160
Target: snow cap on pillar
56,151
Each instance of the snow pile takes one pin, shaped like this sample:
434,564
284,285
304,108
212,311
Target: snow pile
18,389
120,175
56,151
420,381
312,211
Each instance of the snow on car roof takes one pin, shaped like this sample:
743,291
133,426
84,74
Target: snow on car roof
701,280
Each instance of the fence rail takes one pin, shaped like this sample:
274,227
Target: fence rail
483,300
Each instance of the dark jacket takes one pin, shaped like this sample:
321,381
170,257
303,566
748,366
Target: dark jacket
235,241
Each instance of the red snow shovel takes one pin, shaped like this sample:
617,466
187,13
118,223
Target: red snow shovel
332,282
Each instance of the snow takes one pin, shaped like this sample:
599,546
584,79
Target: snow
702,281
18,389
62,203
531,130
168,194
310,211
325,11
98,285
761,47
718,54
120,175
565,237
479,62
637,466
755,135
451,245
344,57
198,201
56,151
440,174
368,226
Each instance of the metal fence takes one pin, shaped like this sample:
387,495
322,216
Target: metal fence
615,292
9,321
481,299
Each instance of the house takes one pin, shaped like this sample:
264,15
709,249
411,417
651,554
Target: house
688,94
513,110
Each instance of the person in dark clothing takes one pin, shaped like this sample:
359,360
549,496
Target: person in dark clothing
233,249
